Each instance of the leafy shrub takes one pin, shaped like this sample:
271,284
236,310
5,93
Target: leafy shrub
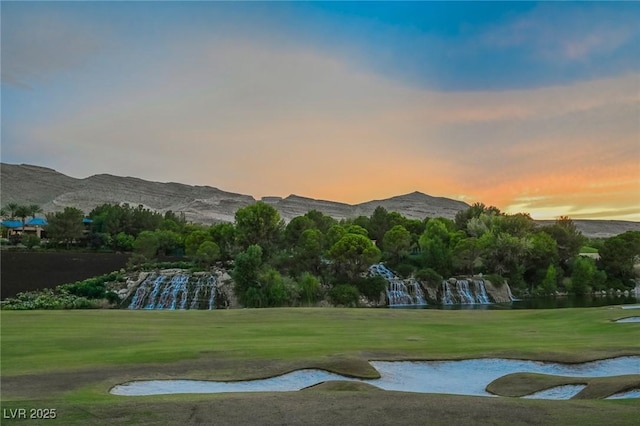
46,299
429,275
345,295
371,287
79,295
405,270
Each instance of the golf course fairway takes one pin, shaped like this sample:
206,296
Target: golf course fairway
63,364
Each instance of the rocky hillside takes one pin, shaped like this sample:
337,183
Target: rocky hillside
28,184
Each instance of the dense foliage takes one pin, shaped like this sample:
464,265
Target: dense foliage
316,257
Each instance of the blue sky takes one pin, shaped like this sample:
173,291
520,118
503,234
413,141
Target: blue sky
529,106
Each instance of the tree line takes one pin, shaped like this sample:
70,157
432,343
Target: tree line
274,263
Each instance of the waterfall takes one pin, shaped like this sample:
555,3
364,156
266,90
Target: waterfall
154,293
481,292
447,294
465,294
175,290
461,292
399,292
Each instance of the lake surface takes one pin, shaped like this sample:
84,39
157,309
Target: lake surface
538,303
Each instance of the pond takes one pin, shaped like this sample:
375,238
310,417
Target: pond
466,377
539,303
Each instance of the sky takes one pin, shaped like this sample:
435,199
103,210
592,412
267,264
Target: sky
529,107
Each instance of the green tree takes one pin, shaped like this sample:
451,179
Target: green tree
23,212
550,282
435,245
260,224
467,255
277,290
146,244
583,275
123,242
618,256
193,241
356,229
568,238
208,253
396,243
320,220
518,225
379,224
353,254
475,211
505,255
224,234
65,226
308,251
245,274
11,209
169,242
334,234
295,228
34,209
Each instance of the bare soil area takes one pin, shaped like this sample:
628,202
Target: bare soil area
27,270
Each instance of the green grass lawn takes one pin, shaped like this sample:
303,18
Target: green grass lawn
43,352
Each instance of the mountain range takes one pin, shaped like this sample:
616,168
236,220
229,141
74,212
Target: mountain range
53,191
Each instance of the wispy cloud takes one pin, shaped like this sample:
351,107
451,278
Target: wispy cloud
261,116
36,46
567,32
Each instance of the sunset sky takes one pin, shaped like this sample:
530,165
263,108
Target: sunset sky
531,107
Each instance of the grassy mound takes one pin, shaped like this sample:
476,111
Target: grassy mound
521,384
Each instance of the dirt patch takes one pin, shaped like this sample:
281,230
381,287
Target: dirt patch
27,271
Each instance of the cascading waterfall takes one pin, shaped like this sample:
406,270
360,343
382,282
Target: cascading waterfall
447,294
481,292
459,291
399,292
175,290
465,294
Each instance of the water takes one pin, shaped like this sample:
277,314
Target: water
173,291
399,292
629,319
466,377
557,392
461,292
539,303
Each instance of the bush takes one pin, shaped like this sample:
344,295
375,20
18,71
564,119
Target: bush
429,276
345,295
46,299
404,270
371,287
30,241
309,288
80,295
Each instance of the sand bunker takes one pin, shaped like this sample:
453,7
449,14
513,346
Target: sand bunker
467,377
